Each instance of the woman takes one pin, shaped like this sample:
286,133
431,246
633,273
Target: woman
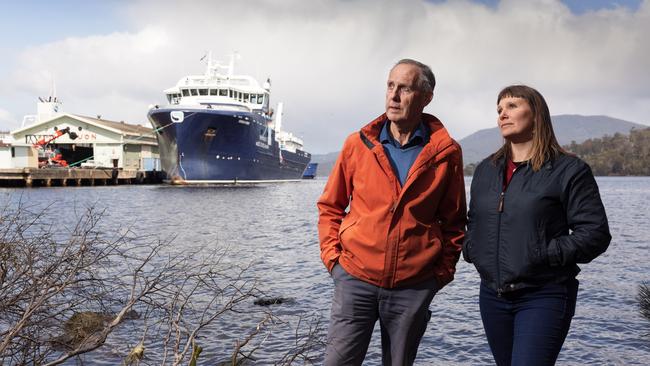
535,212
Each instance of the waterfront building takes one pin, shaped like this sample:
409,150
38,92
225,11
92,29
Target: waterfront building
6,150
83,141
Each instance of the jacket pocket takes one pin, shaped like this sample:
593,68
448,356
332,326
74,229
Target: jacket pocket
537,253
345,226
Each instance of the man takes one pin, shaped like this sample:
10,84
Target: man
401,177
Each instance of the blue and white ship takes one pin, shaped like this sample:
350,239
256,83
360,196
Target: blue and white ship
218,128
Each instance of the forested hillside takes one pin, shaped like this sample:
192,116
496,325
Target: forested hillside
611,155
618,154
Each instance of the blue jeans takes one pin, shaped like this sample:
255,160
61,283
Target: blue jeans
528,326
403,314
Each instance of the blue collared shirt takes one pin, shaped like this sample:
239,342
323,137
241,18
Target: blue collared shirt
402,157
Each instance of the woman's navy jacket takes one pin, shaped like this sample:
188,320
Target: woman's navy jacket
536,230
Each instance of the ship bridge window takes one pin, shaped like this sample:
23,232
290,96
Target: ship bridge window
203,91
186,93
246,98
169,98
194,92
260,98
223,92
213,91
254,98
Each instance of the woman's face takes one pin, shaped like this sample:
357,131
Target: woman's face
515,119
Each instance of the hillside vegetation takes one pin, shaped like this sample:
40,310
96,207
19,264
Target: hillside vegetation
618,154
611,155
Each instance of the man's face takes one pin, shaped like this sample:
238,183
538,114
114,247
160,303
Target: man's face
404,100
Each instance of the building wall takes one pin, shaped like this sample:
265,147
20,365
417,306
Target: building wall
26,157
6,162
132,155
105,153
89,134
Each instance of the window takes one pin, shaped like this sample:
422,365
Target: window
194,92
260,98
246,98
213,91
254,98
186,93
230,92
203,91
223,92
13,152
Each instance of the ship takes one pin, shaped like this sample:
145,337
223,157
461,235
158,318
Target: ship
219,128
310,171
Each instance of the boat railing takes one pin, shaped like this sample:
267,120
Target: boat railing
226,106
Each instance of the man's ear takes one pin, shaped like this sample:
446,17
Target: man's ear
428,99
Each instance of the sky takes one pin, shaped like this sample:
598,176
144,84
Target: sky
328,59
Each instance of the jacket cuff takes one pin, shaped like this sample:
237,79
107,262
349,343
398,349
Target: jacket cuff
442,278
465,251
331,263
554,254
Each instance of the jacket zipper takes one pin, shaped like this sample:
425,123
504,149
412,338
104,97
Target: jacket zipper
500,207
400,194
500,211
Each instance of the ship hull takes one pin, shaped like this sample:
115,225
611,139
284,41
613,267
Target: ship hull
221,147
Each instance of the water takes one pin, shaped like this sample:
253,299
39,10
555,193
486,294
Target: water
273,228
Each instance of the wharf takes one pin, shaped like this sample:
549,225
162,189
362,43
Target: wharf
48,177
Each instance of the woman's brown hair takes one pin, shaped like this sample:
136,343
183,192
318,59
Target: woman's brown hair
545,145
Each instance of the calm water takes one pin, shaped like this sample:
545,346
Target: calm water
274,228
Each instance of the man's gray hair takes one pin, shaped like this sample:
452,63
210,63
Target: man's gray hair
426,79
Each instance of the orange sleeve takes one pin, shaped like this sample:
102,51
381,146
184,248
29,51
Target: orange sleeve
452,213
332,206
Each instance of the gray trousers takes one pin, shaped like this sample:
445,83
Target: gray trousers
403,315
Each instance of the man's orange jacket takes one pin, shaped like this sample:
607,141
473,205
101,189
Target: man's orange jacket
389,235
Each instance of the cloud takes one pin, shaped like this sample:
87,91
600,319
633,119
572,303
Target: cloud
5,119
328,60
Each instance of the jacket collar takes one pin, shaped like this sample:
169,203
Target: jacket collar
439,138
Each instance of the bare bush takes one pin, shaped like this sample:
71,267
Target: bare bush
64,291
644,300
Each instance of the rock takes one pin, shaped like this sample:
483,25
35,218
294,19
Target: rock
267,301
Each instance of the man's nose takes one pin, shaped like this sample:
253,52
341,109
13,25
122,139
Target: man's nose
394,94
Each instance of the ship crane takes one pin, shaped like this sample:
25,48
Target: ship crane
57,159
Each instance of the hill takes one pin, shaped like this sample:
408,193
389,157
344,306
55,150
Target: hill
325,162
567,127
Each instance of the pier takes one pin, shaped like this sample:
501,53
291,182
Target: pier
48,177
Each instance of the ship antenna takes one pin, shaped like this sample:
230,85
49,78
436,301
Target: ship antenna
231,65
209,67
53,89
